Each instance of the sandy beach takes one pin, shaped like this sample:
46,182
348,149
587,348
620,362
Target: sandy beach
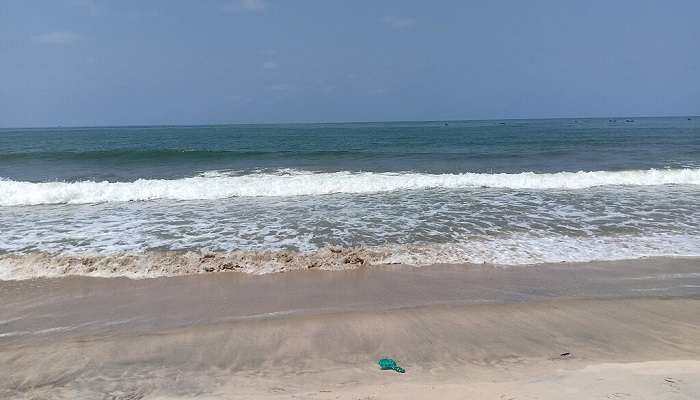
631,330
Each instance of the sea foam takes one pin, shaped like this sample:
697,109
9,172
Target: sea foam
517,250
215,185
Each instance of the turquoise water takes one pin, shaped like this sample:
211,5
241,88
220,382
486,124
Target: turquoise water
506,192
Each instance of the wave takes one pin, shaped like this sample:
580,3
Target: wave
18,266
523,250
216,185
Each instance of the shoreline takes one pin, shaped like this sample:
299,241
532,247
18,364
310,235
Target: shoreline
210,298
158,264
457,329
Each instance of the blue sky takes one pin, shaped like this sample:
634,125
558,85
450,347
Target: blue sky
83,62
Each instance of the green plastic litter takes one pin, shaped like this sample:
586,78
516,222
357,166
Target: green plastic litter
388,363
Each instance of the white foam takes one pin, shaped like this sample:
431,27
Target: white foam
211,186
530,250
513,251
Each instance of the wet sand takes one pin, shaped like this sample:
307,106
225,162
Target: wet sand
632,330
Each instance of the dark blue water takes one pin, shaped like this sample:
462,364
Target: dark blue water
128,153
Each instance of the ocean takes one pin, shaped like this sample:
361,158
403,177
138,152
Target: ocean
168,200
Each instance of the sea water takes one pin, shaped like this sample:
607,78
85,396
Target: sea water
505,192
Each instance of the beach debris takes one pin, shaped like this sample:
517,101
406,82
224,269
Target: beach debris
565,355
229,266
354,259
154,263
389,363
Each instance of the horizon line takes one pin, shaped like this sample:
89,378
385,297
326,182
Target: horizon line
165,125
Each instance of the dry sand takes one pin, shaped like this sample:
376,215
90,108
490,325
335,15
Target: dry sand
632,330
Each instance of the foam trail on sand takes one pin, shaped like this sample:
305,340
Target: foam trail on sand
215,185
506,251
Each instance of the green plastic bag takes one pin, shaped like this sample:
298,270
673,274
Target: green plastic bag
388,363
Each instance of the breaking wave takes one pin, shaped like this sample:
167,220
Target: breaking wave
218,185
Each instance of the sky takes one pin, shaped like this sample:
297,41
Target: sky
96,63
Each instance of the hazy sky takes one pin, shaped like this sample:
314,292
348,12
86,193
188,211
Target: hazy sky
82,62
